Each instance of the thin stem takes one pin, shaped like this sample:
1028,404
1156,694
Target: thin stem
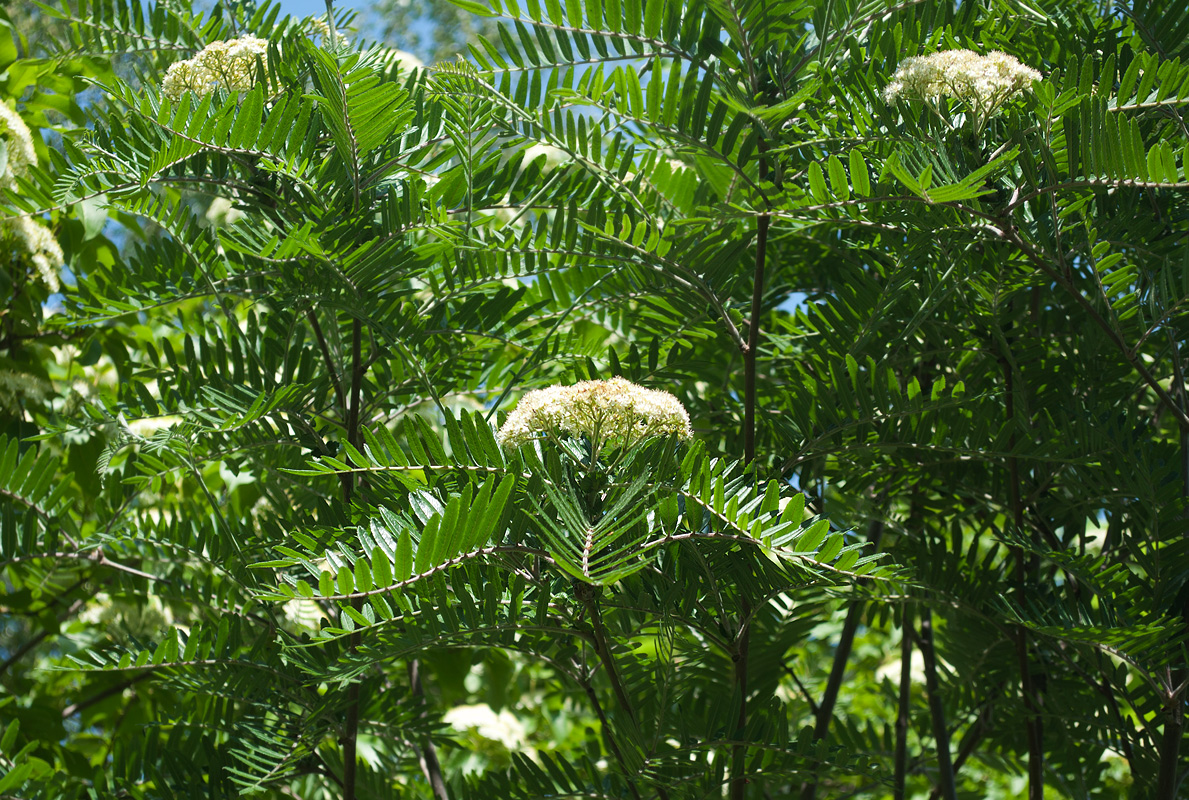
742,653
612,745
603,651
751,352
20,652
1133,360
334,34
1033,724
75,708
1174,704
804,692
351,732
588,596
431,767
1170,746
333,372
825,711
41,636
846,640
969,742
903,715
327,359
941,734
357,370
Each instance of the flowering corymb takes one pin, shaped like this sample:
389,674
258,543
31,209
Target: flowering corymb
982,83
230,65
611,411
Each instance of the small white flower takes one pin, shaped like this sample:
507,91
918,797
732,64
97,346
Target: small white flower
186,76
611,410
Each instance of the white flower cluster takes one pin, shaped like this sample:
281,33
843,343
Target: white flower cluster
39,245
15,386
33,238
554,156
407,61
19,142
222,212
503,727
319,27
983,83
230,65
149,619
603,411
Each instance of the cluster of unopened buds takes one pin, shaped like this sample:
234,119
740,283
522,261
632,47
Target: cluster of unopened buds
229,65
982,83
614,411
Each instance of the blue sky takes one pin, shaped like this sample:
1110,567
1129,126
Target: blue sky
309,8
313,8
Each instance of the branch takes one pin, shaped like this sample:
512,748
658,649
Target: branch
903,717
428,757
741,656
603,651
1033,725
1094,183
75,708
1009,234
804,692
969,742
588,596
751,350
612,745
941,734
326,357
846,640
1170,745
41,636
351,734
750,354
97,556
1174,705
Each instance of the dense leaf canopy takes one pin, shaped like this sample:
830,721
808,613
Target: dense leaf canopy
258,534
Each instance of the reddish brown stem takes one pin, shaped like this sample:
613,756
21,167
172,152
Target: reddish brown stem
903,715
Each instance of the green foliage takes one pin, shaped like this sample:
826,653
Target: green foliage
258,535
